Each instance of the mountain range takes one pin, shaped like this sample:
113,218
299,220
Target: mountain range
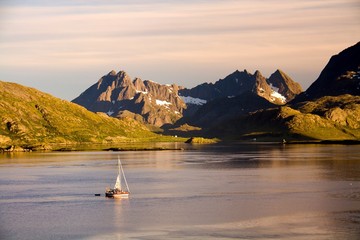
240,106
117,95
215,109
328,109
156,104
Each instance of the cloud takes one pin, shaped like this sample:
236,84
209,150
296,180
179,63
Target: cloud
153,36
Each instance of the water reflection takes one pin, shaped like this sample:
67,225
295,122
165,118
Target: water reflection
213,191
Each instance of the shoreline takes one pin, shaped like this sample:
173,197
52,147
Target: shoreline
153,146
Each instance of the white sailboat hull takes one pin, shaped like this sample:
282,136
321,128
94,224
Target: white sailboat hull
115,193
121,195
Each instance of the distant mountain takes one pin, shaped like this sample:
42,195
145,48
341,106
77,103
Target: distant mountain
328,110
278,89
118,96
29,116
284,85
158,105
340,76
237,95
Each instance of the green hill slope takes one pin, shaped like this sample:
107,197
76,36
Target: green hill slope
328,118
28,116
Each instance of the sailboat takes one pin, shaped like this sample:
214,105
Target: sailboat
118,191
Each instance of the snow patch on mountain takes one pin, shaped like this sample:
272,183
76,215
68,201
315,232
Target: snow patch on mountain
109,113
143,92
162,103
278,96
191,100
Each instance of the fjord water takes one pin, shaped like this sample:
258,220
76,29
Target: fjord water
241,191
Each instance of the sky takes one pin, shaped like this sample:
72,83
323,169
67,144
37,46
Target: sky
63,47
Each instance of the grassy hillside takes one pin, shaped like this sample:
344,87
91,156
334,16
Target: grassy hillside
328,118
28,116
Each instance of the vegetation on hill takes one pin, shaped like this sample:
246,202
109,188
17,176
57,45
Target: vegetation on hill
28,116
328,118
201,140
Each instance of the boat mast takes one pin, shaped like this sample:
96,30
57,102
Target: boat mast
119,174
118,179
122,170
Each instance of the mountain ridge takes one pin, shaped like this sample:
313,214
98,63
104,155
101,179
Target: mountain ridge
156,104
327,118
241,81
328,110
341,75
115,92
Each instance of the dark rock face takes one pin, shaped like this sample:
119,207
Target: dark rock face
284,85
278,89
233,85
223,109
116,92
340,76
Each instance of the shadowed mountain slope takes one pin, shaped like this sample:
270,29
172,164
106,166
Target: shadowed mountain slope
340,76
328,110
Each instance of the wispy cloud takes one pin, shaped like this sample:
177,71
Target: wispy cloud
170,36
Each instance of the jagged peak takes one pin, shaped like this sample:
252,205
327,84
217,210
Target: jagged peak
151,82
258,74
237,72
137,81
122,74
112,73
282,74
279,71
139,85
279,74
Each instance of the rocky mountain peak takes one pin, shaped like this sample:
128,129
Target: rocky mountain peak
123,80
284,85
258,74
263,89
112,73
117,94
139,85
239,82
340,76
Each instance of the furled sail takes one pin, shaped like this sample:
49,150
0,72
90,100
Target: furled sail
118,179
118,182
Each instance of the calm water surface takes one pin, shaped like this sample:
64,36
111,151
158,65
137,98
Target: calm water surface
257,191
